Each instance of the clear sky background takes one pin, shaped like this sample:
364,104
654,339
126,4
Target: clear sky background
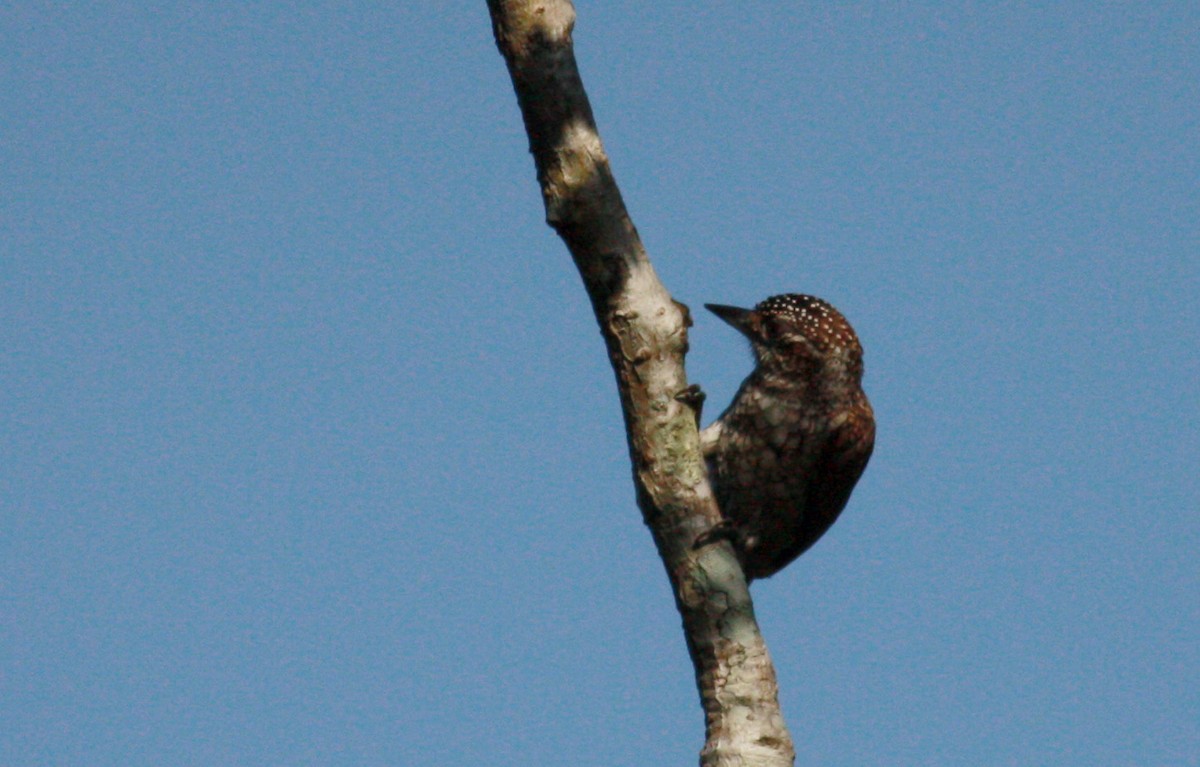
310,453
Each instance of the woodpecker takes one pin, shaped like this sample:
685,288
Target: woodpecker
785,455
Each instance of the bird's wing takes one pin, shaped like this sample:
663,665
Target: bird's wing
838,468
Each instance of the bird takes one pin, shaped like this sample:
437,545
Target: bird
786,454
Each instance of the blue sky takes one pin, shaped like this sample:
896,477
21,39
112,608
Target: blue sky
309,450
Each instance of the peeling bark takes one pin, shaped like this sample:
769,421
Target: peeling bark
645,332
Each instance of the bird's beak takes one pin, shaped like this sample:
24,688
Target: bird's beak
737,317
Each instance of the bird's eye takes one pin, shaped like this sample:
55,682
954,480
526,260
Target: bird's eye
772,329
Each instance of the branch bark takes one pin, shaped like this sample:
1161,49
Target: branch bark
645,332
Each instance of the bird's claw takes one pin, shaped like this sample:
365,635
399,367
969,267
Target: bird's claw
722,531
694,398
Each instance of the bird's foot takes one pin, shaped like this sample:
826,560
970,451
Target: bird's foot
694,398
722,531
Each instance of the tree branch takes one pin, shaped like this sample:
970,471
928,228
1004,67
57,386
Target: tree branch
646,335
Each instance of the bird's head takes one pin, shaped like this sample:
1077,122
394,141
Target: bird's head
795,334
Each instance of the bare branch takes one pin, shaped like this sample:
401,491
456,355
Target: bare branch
646,335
